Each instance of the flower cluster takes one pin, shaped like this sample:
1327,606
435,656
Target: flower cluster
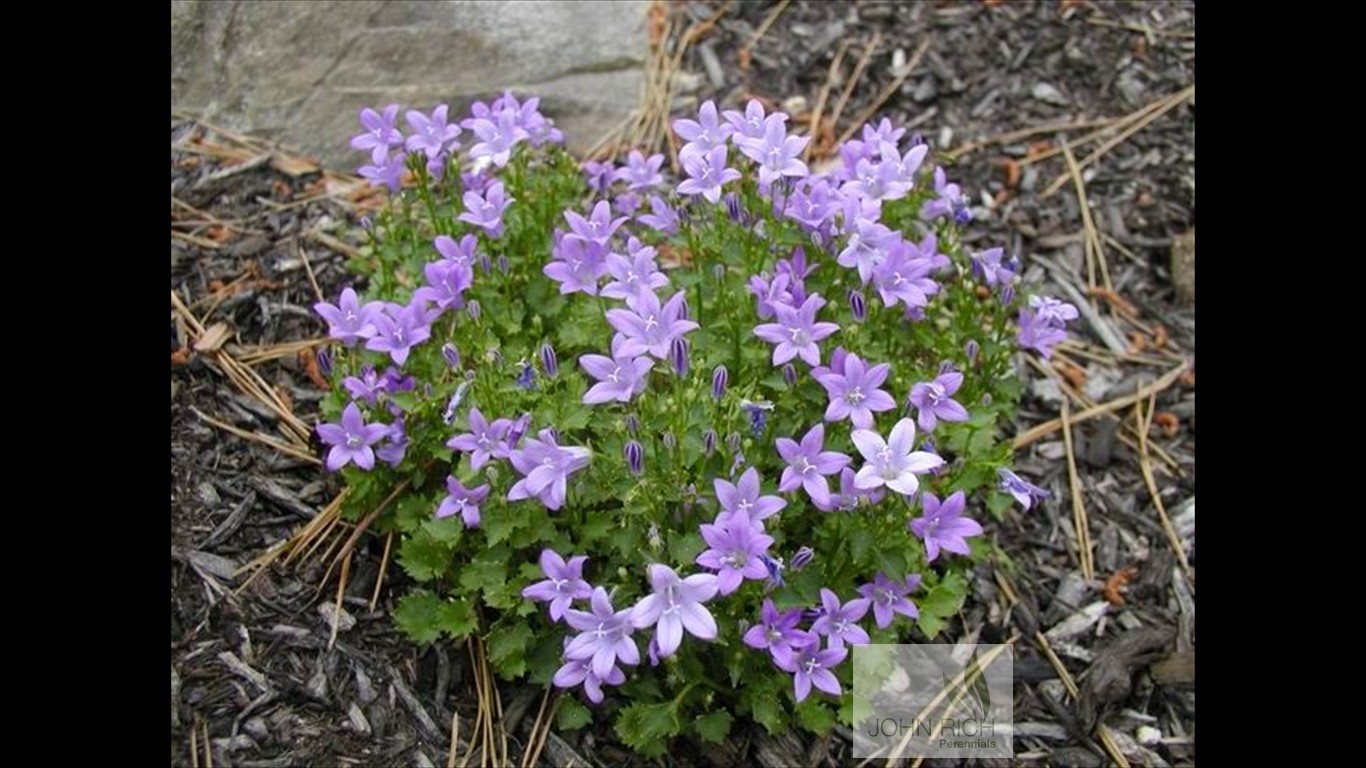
596,358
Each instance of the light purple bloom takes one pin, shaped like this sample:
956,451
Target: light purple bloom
892,463
580,672
1024,491
904,277
633,273
707,173
776,153
484,441
577,264
704,134
779,634
855,393
379,134
812,667
605,635
810,205
1052,311
599,175
735,547
399,328
943,525
619,377
949,202
1043,324
387,172
496,139
348,320
546,467
987,265
461,252
750,125
839,623
676,605
395,445
889,597
850,495
563,583
486,210
877,181
447,282
641,173
351,440
432,136
808,464
662,219
648,327
868,246
796,331
598,227
464,500
366,387
768,293
745,498
934,400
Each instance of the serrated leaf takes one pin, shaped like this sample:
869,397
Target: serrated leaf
507,649
457,619
714,726
646,728
769,714
422,557
572,715
685,548
418,615
930,624
815,716
946,597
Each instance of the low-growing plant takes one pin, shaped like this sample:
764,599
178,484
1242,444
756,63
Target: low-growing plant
722,428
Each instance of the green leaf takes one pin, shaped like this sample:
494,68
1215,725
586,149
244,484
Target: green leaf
572,715
946,597
507,649
713,726
769,714
646,728
684,549
423,557
418,615
815,716
457,619
930,624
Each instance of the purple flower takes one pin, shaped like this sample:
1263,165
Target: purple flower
451,355
877,181
707,173
855,393
620,377
366,387
676,605
351,440
1052,311
464,500
858,306
776,153
379,134
868,246
702,135
604,635
348,320
550,362
802,558
850,495
578,264
839,623
1043,324
432,135
399,328
892,463
641,173
395,445
546,467
934,400
889,597
635,457
750,125
904,277
633,274
746,499
461,252
387,172
1024,491
486,210
808,464
987,265
496,139
720,377
679,350
796,331
943,526
949,201
598,228
779,634
599,175
447,282
770,293
662,219
484,441
734,550
563,583
756,411
648,327
810,205
580,672
812,667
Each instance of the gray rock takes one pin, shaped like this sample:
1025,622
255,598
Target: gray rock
301,71
1049,94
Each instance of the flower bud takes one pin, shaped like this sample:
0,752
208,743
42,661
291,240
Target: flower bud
733,206
635,457
519,428
858,305
324,357
720,377
633,425
1007,294
503,263
803,558
549,362
733,442
709,442
473,309
451,355
678,356
670,441
971,349
790,374
485,264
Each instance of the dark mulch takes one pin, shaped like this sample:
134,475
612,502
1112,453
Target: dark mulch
254,672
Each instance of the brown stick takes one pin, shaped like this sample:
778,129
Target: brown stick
1079,520
1049,427
886,93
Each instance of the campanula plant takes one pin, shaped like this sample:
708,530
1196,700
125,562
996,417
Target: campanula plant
675,436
